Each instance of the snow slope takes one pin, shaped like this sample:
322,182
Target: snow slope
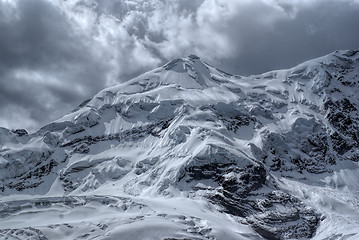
187,151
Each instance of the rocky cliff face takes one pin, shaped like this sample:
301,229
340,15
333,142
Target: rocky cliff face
201,153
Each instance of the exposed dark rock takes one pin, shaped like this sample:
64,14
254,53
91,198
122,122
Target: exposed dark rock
20,132
25,233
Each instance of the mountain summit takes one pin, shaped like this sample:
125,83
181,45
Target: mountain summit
187,151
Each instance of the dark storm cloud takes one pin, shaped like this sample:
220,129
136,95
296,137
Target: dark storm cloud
54,54
44,65
315,30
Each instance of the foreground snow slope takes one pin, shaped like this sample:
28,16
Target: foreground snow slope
187,151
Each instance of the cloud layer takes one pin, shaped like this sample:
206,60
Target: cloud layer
55,54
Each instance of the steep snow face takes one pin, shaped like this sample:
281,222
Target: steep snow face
188,151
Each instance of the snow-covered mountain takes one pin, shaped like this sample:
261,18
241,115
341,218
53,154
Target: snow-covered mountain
187,151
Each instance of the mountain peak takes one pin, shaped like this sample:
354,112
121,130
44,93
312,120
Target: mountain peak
191,64
187,73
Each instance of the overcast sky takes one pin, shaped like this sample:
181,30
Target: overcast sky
56,53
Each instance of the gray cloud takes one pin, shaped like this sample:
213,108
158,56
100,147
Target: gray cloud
44,65
315,30
54,54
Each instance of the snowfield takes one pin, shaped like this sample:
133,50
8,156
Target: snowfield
187,151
